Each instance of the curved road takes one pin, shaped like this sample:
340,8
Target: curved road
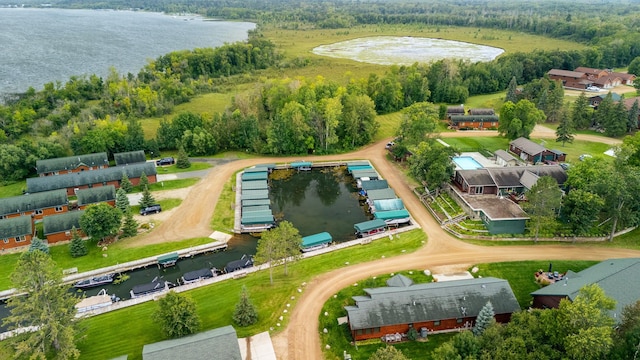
300,339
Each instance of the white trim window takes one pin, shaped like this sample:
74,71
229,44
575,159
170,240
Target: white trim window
59,208
21,238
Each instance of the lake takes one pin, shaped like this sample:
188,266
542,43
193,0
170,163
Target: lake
48,45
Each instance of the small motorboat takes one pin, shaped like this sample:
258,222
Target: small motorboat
94,281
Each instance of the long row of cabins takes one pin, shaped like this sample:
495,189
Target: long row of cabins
88,177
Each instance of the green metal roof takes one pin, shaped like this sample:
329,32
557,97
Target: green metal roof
252,220
257,213
71,162
316,239
259,202
358,162
16,226
46,183
359,174
131,157
430,302
297,164
267,166
352,168
614,276
168,258
220,343
30,202
263,192
388,204
255,170
374,185
246,209
262,175
255,185
96,195
64,222
370,225
256,196
381,194
390,215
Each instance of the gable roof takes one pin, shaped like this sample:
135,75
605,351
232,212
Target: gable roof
96,195
511,176
476,177
131,157
220,343
628,103
527,146
40,184
614,97
71,162
474,118
566,73
588,71
16,226
30,202
455,109
399,280
430,302
613,276
482,111
504,155
63,222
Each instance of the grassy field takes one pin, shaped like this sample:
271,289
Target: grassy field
13,189
225,209
173,169
167,204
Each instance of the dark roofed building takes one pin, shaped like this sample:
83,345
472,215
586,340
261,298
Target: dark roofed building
481,111
16,232
70,164
614,276
437,306
455,110
131,157
58,227
220,343
534,153
594,101
481,121
503,158
95,178
504,180
38,204
570,79
96,195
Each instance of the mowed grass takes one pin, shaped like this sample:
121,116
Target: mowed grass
13,189
389,124
224,213
126,331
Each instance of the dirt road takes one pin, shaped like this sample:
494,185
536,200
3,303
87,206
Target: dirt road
300,340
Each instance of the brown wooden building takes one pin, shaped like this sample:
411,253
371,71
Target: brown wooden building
474,122
58,227
37,205
436,306
16,232
92,179
71,164
534,153
570,79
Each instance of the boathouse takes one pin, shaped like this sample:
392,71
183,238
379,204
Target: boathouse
316,241
370,227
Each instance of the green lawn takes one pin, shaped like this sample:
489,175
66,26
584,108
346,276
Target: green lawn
225,210
169,185
388,125
126,331
173,169
166,204
465,144
13,189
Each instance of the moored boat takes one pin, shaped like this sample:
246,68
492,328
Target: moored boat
94,281
316,241
150,288
197,275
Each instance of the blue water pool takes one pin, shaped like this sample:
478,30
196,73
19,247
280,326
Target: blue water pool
467,163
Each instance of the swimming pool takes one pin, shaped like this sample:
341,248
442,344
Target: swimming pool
467,163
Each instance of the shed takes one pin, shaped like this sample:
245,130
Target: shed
130,157
316,239
503,158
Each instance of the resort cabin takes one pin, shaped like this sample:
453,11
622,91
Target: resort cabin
168,259
102,194
371,227
37,205
72,164
429,307
57,228
16,232
301,165
534,153
153,287
316,241
246,261
197,275
455,110
393,217
474,122
130,157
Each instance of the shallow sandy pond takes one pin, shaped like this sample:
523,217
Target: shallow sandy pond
390,50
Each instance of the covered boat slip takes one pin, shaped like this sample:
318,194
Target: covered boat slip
352,168
316,239
260,202
255,194
380,194
257,220
253,176
255,185
370,173
370,227
394,216
168,259
374,185
387,205
301,165
358,163
246,209
258,169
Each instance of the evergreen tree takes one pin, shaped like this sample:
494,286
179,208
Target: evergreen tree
632,123
245,313
122,201
511,91
555,102
77,247
147,199
177,315
580,112
125,183
129,226
484,319
38,244
565,131
144,181
183,159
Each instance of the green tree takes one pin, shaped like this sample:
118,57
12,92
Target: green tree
581,113
245,313
143,182
419,123
581,209
129,225
77,247
632,119
177,315
122,201
555,104
518,120
50,306
38,245
290,241
125,183
543,201
100,221
634,66
183,159
484,320
431,164
279,246
147,199
612,117
565,131
627,336
512,91
388,353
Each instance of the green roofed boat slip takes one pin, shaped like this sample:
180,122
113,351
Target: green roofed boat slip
246,209
255,170
168,259
365,173
316,241
259,202
350,168
255,185
370,227
301,165
393,216
262,175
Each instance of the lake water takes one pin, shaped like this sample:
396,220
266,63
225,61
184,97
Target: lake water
38,46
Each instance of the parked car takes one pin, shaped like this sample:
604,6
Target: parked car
390,145
165,161
593,88
153,209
